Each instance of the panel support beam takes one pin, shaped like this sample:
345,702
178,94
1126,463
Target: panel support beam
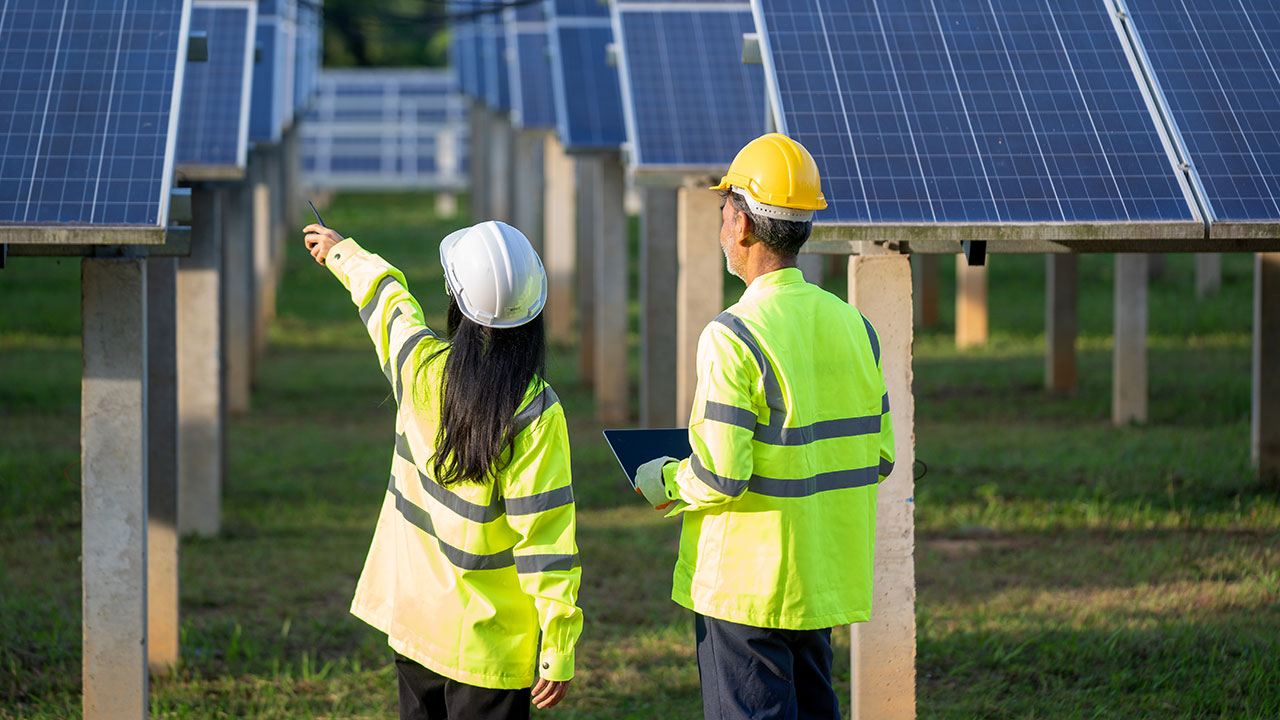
1060,323
1265,433
199,341
559,239
659,266
162,465
971,304
700,285
883,650
113,466
610,378
1129,360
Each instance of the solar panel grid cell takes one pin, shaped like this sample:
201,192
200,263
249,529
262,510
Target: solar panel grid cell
982,111
90,94
213,128
1218,65
497,93
691,102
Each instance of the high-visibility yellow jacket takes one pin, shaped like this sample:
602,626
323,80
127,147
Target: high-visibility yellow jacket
462,579
791,435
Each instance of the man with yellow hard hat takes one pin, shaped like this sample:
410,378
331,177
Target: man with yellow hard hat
791,436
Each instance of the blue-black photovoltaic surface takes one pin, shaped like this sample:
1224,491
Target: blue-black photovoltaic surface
532,103
1218,65
211,126
690,99
497,93
88,102
587,95
266,109
998,111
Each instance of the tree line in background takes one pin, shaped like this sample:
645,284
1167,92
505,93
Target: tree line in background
392,33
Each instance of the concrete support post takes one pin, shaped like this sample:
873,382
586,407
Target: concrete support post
699,287
113,467
1208,274
588,190
559,238
811,266
658,270
1265,433
478,161
924,278
526,194
264,296
1060,323
200,409
883,650
162,465
237,294
1129,361
971,304
612,386
499,174
291,173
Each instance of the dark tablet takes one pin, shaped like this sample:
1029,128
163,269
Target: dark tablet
634,448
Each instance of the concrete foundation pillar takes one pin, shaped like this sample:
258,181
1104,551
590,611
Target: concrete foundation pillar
1208,274
883,651
612,387
478,161
700,285
559,239
527,201
971,304
200,409
162,465
264,295
1265,434
1129,361
113,467
291,174
499,155
811,266
585,177
924,278
659,267
1060,323
237,294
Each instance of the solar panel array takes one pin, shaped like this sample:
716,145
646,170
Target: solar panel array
587,94
271,107
1218,65
991,112
529,67
310,32
497,83
214,124
690,101
91,104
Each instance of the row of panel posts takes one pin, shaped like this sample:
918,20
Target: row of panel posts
573,209
171,346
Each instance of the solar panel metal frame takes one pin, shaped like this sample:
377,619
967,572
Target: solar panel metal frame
557,23
80,236
1003,237
1219,230
662,174
236,171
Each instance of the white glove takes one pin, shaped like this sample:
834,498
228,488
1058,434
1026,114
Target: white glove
649,482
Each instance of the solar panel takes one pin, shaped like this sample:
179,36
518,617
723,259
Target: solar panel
690,101
494,50
213,130
266,111
1218,66
529,68
587,96
91,107
309,26
979,112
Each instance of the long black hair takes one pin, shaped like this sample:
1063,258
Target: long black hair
487,373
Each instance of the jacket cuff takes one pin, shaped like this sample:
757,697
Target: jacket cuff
339,255
555,666
669,471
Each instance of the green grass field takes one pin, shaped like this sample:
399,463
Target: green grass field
1065,568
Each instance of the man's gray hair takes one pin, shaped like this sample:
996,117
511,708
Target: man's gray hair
784,237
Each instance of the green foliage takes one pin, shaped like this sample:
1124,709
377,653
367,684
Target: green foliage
389,33
1065,568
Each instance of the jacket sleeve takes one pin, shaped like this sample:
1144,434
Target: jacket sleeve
538,495
887,447
391,315
726,407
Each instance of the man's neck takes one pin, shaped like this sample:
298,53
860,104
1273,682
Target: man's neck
762,261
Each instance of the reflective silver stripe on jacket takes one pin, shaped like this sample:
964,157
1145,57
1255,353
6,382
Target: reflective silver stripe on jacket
367,310
822,482
421,519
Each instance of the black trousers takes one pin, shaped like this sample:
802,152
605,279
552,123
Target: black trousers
428,695
751,673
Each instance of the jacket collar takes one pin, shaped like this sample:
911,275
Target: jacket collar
773,280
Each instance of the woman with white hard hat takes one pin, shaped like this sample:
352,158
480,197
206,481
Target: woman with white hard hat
473,570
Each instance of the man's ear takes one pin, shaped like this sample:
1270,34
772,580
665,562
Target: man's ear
742,228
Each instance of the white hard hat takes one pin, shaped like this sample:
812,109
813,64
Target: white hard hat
494,274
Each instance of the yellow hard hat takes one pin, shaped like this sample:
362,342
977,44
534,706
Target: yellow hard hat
777,172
